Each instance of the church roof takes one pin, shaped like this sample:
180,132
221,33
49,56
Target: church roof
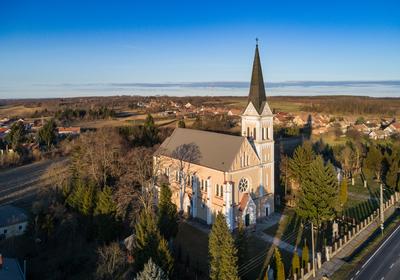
216,150
257,90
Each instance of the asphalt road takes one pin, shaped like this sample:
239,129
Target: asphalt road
384,263
19,185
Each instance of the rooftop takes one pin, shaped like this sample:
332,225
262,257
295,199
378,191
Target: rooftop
216,150
10,215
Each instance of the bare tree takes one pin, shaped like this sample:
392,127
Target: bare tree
111,262
185,155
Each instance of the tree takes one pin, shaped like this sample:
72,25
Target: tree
150,244
181,124
305,256
392,175
241,242
343,194
222,251
151,131
151,271
16,135
185,155
105,204
278,265
318,199
300,162
373,162
111,262
318,196
167,214
47,135
295,264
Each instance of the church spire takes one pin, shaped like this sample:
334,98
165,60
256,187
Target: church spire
257,89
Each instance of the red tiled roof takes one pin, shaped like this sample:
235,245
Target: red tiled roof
243,201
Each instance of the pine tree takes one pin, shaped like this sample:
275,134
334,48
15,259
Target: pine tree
47,135
295,264
305,255
167,214
151,271
105,203
222,251
241,242
278,265
343,194
150,244
318,199
300,162
88,199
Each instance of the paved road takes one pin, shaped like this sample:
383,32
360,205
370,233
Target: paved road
19,185
384,264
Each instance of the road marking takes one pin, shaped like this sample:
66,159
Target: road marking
382,278
380,247
391,266
357,272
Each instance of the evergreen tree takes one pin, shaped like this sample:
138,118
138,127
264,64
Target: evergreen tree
181,124
392,175
150,132
167,214
278,265
88,199
305,256
105,204
16,135
343,194
150,244
295,264
47,135
241,242
373,162
222,251
151,271
318,198
300,162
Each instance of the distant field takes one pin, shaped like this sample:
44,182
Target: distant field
17,110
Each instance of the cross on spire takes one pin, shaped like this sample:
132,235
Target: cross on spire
256,41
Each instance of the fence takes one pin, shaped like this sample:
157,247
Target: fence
329,252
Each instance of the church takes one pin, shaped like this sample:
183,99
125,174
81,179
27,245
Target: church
212,172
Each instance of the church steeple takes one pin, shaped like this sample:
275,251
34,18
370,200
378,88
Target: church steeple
257,89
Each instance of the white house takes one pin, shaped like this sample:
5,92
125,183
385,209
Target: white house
13,221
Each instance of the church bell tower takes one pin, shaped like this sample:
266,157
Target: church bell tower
257,126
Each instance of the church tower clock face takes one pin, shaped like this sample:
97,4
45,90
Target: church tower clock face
243,185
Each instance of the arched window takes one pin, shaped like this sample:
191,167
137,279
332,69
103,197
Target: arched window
243,185
254,133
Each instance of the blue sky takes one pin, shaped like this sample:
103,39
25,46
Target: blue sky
47,44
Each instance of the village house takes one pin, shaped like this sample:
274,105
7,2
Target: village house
69,130
13,221
234,112
212,172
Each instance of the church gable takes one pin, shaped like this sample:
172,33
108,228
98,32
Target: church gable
250,110
245,157
267,110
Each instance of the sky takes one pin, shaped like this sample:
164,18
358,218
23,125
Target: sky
71,48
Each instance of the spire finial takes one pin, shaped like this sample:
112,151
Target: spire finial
256,42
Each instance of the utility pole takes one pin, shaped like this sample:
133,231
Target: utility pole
312,249
381,207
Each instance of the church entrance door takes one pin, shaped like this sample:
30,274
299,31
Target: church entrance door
247,220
